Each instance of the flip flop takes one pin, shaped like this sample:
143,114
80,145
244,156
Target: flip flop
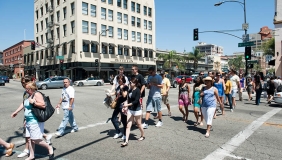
196,124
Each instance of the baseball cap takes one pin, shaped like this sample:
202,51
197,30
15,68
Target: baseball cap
162,72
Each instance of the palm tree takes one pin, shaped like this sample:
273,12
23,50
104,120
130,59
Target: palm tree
217,65
236,63
195,56
170,59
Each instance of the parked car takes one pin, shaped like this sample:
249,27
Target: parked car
188,79
2,81
173,81
278,98
55,82
6,79
89,82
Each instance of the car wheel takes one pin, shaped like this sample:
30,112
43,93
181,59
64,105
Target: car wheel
80,84
99,84
174,85
44,86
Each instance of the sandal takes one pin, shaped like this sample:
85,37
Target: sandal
207,135
141,138
156,117
197,123
9,150
169,114
124,144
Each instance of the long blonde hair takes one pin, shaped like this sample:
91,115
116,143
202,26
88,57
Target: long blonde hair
32,85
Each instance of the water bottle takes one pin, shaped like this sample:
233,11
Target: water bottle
58,110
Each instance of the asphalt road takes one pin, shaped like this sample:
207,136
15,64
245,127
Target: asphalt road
250,132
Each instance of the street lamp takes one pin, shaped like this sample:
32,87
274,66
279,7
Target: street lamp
99,67
245,22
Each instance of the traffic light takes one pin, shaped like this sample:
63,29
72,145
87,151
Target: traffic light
32,45
250,66
61,61
96,62
248,53
195,34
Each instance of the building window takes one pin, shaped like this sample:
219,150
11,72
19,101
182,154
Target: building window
139,53
150,25
119,33
145,10
145,38
110,16
65,29
93,10
150,39
58,32
46,8
84,8
65,12
125,50
145,53
72,27
138,22
85,47
46,22
36,13
145,24
103,13
73,47
125,4
41,25
119,3
104,32
72,8
132,20
52,18
41,10
125,19
120,50
52,34
149,11
125,34
110,1
84,27
42,39
104,49
133,51
46,53
41,54
103,1
111,50
58,2
111,31
58,16
36,41
138,7
46,37
151,54
36,28
64,48
133,6
93,28
119,17
138,37
94,48
133,35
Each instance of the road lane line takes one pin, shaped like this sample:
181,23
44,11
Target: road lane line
227,148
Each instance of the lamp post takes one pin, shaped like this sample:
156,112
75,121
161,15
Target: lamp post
245,22
20,62
99,67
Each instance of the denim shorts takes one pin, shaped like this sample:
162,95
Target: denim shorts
153,104
234,92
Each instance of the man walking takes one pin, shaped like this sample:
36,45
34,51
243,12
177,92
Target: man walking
115,82
235,80
67,102
165,90
154,97
141,81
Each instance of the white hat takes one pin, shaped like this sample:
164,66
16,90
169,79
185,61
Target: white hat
207,79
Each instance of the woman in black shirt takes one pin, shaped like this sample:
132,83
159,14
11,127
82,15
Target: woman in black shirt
133,110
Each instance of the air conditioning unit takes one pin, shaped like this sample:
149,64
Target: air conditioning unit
50,24
50,9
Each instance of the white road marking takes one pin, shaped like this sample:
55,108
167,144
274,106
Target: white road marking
227,148
237,157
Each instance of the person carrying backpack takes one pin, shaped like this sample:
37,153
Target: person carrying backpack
270,89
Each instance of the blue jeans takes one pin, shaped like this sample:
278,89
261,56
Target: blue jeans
115,122
258,95
68,117
229,97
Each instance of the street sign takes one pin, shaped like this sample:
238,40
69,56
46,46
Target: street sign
246,44
59,57
246,37
253,61
245,26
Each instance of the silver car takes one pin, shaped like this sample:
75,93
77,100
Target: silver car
55,82
89,82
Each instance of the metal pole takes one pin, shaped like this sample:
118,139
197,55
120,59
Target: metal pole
245,21
99,64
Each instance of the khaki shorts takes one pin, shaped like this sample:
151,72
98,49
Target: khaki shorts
165,99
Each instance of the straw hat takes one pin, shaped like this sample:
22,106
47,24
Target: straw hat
207,79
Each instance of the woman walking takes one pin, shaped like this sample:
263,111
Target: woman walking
227,91
209,94
197,100
258,88
219,84
133,110
270,89
9,147
184,99
121,93
250,88
34,127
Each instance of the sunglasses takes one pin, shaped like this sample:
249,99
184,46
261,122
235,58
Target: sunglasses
202,74
28,89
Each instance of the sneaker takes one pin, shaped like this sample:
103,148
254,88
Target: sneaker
74,130
123,137
58,134
159,124
231,110
145,126
25,153
117,135
48,139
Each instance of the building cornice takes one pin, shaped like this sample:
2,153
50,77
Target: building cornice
277,22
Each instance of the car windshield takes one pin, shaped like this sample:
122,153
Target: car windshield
47,79
179,77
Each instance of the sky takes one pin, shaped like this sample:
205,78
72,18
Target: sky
175,21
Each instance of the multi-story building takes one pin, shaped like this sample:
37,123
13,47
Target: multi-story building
78,36
1,57
209,49
13,57
278,38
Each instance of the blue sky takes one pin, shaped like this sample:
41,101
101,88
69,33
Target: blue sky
175,21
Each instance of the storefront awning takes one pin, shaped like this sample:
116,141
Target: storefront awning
105,44
133,47
151,50
95,42
120,46
126,46
90,68
140,48
63,43
111,44
272,62
71,41
86,41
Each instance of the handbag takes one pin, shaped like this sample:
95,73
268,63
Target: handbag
43,115
113,104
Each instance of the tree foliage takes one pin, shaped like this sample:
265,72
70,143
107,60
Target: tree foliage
170,60
268,47
236,63
257,67
195,55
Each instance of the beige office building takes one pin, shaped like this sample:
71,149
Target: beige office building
75,35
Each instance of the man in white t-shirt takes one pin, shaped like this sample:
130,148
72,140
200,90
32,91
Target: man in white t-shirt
67,102
235,80
115,82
